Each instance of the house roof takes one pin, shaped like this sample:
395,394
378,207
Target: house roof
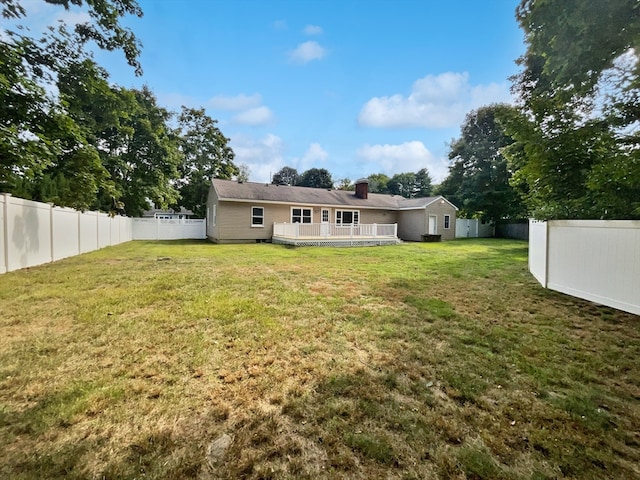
266,192
170,211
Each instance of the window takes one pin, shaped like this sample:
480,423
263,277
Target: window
347,217
211,215
447,219
300,215
325,216
257,216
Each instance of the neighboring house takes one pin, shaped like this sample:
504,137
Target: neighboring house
168,214
257,212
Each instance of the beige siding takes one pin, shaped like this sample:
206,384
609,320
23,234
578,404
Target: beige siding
412,224
440,210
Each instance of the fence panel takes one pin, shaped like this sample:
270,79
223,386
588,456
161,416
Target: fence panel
473,228
3,232
538,251
168,229
65,234
597,260
104,230
29,233
88,222
33,233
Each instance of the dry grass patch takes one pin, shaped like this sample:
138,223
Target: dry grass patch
191,360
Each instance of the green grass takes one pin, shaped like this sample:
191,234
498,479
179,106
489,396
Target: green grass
425,360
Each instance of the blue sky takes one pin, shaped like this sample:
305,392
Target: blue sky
356,87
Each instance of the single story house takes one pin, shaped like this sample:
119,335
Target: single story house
168,214
262,212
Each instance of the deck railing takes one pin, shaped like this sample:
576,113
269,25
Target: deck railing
323,230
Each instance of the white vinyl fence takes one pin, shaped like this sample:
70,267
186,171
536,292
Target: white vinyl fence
33,233
169,229
473,228
597,260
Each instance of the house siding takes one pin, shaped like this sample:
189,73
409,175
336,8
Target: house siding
412,224
440,210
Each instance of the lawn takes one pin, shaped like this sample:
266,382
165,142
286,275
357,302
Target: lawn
428,360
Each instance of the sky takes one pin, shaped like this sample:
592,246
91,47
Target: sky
356,87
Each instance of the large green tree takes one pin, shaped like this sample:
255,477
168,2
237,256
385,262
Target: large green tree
478,180
410,185
103,28
378,183
286,176
144,163
316,178
206,154
44,153
577,147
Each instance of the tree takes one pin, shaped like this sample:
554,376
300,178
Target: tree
410,185
345,184
44,153
576,153
286,176
205,155
104,29
25,108
316,178
147,164
402,184
378,183
478,181
423,183
243,173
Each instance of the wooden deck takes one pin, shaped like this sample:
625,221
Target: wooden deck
333,235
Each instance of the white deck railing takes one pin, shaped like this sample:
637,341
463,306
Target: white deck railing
324,230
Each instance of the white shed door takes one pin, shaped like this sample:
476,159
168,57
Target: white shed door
433,225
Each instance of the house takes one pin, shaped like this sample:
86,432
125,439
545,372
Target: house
168,214
259,212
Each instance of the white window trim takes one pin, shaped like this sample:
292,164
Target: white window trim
340,210
447,220
257,225
301,211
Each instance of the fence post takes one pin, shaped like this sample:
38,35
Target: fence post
6,231
80,231
51,237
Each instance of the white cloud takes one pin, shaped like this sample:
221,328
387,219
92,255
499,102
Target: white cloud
254,116
264,156
313,30
307,51
237,102
279,25
314,155
405,157
435,101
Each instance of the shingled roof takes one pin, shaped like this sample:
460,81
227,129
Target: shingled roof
265,192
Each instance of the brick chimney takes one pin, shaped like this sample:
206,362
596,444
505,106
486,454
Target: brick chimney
362,188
